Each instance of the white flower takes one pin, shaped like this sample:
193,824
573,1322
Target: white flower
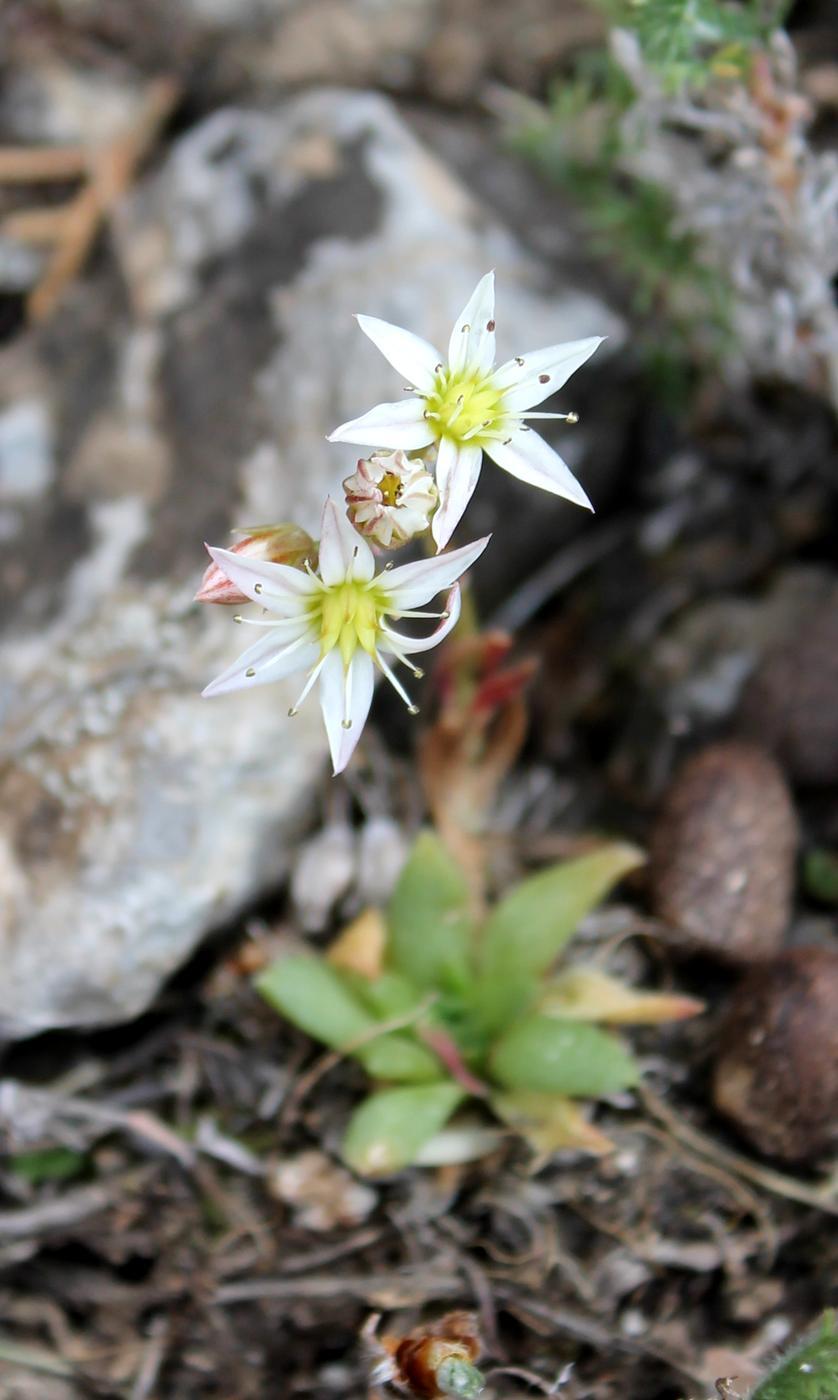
336,624
467,407
390,498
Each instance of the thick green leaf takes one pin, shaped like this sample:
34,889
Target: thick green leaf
314,996
389,1128
399,1057
528,929
561,1057
429,924
386,996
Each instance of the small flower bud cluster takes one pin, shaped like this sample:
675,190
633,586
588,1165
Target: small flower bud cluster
390,498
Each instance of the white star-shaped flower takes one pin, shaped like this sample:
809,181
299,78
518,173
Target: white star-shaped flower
336,624
467,406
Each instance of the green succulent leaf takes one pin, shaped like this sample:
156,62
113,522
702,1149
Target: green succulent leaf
561,1057
389,1128
314,996
399,1057
385,996
429,924
528,929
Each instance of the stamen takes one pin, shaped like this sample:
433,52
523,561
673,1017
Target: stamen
562,417
412,613
312,677
452,417
429,414
346,722
269,622
396,683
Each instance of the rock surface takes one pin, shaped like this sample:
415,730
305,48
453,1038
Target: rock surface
187,385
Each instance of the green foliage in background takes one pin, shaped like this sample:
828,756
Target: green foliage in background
690,42
579,141
440,1006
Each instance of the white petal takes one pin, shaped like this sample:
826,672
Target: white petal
345,694
411,585
392,425
272,658
457,472
472,343
276,586
412,356
344,553
532,460
410,644
523,379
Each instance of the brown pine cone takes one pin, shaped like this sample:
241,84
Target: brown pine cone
776,1076
722,854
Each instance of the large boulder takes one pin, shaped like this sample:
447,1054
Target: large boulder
185,386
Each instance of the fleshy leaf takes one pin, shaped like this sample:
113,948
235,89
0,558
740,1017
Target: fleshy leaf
390,1128
549,1123
429,921
586,994
313,996
399,1057
561,1057
528,929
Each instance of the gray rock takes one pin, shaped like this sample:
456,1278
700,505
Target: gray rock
191,392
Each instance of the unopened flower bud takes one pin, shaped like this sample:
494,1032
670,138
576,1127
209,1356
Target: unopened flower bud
390,498
275,544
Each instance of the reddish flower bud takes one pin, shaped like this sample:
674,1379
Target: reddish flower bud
276,544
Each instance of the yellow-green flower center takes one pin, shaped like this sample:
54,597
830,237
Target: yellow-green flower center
463,406
348,615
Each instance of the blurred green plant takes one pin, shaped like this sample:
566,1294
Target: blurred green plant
441,1006
690,42
680,302
808,1370
582,141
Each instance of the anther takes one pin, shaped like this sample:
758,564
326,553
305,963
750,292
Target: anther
544,379
257,588
490,325
519,360
413,709
409,388
572,418
507,441
346,724
355,552
292,712
388,567
465,328
238,618
250,671
417,673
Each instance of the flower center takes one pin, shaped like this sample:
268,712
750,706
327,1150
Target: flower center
347,615
463,406
390,487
